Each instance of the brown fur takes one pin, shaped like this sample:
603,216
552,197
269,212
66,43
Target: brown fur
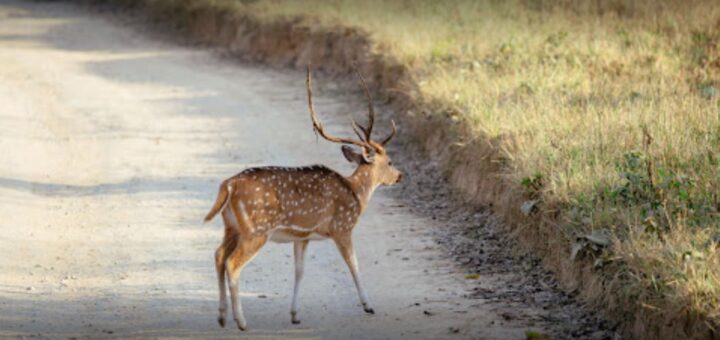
290,205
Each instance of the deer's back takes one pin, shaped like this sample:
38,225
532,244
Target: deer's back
294,203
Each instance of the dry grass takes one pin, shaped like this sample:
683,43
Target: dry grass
606,111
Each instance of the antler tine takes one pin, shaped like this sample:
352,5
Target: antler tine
392,133
359,130
363,129
316,124
371,109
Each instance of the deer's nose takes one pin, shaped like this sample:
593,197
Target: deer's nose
399,178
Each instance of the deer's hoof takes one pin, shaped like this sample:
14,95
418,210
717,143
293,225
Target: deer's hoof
369,310
221,321
293,318
241,325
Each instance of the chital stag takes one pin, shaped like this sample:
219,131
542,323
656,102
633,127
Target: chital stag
299,205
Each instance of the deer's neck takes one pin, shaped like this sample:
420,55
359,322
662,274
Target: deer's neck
363,183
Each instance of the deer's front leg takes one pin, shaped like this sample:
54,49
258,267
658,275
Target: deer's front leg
299,250
345,246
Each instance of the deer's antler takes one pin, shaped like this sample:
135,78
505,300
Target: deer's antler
392,134
371,110
364,133
371,117
319,128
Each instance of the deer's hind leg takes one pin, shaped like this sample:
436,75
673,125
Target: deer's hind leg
221,254
245,251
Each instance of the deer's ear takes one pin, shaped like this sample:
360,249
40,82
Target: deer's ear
352,156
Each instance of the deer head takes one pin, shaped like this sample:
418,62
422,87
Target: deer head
372,154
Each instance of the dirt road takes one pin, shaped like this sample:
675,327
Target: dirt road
112,145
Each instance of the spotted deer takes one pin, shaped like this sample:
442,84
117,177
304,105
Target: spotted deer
299,205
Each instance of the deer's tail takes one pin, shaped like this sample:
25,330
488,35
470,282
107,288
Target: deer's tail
222,198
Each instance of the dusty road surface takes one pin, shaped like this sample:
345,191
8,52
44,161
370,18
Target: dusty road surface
112,146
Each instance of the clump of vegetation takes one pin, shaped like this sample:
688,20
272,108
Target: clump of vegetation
606,111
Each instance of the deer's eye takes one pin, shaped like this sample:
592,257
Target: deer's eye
390,163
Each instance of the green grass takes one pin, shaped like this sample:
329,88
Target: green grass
607,111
